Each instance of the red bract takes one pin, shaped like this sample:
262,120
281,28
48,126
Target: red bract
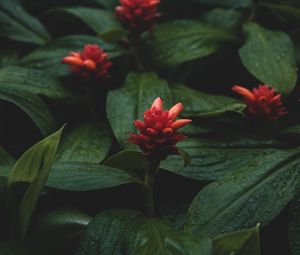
158,132
262,102
138,15
92,61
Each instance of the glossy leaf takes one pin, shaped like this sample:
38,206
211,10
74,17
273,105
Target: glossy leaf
255,193
33,106
201,104
129,233
79,176
129,103
19,79
17,24
56,228
244,242
294,226
48,57
227,3
32,168
87,143
180,41
100,21
270,57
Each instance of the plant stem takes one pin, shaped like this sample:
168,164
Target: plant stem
149,205
134,41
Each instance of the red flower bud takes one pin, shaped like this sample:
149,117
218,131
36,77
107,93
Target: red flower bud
158,132
262,102
92,61
138,15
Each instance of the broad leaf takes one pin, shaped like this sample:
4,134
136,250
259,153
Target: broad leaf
255,193
33,106
17,24
201,104
32,168
57,228
294,226
180,41
48,57
270,57
227,3
78,176
87,143
100,21
8,57
19,79
129,103
244,242
129,233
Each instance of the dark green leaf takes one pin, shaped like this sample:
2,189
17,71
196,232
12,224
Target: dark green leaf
201,104
17,24
34,107
19,79
129,233
180,41
8,57
48,57
86,143
244,242
227,3
78,176
56,228
288,12
129,103
226,19
255,193
294,226
102,22
270,57
33,168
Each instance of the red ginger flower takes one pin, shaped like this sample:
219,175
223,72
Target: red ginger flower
262,102
92,61
158,132
138,15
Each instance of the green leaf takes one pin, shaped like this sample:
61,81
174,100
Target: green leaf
13,248
129,103
129,233
32,168
215,156
78,176
180,41
132,161
19,79
48,57
294,226
8,57
197,103
244,242
56,228
33,106
100,21
226,19
227,3
270,57
87,143
288,12
255,193
17,24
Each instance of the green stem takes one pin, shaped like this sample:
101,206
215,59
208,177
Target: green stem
134,41
149,205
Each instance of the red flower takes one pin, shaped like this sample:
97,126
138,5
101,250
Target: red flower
262,102
158,132
138,15
92,61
